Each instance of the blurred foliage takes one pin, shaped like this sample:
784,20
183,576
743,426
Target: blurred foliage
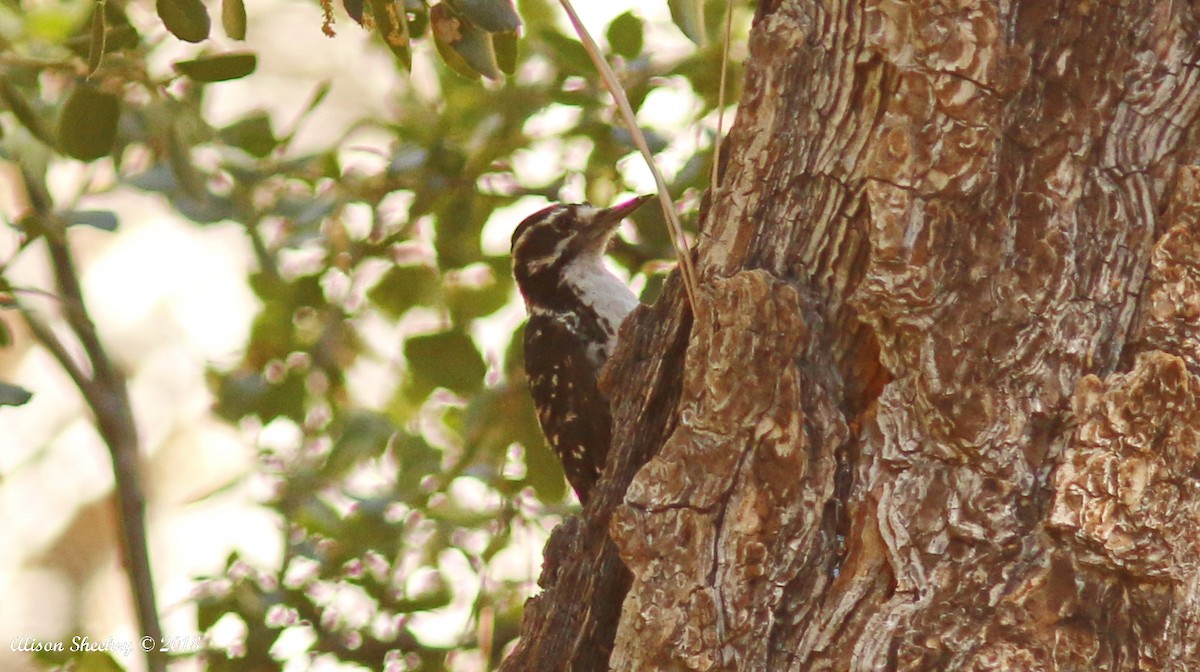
375,497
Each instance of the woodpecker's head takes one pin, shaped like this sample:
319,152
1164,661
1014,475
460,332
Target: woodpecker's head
553,239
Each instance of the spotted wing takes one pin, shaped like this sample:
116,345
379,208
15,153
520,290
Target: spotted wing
572,410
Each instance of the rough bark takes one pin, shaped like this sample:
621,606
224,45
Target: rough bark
938,407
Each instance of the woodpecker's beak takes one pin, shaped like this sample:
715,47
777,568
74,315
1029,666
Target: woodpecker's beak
613,216
599,225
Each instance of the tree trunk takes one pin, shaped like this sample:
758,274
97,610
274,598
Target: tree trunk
937,405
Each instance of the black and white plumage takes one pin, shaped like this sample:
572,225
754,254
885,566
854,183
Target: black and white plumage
576,307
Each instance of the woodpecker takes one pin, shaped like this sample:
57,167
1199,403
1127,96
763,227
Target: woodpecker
576,307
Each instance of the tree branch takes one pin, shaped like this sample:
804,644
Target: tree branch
105,392
45,336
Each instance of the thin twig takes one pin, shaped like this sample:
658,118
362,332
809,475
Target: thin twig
45,336
664,197
17,289
74,310
18,61
107,395
712,183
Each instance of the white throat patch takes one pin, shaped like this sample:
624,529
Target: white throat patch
604,292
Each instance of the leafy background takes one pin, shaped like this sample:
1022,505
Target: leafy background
296,250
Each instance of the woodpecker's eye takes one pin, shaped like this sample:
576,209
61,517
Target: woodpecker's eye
563,224
532,223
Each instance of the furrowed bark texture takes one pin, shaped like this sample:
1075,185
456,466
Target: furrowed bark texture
938,407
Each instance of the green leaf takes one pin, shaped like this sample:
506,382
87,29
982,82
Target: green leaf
494,16
403,287
96,661
210,609
478,49
448,359
88,127
158,177
121,36
304,212
317,98
467,303
319,517
449,28
12,395
567,53
78,659
186,19
392,27
245,393
625,35
499,417
105,220
233,18
455,36
655,142
514,355
506,45
218,68
688,15
207,208
459,222
44,23
416,460
365,436
252,135
181,137
6,338
457,515
654,287
429,598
